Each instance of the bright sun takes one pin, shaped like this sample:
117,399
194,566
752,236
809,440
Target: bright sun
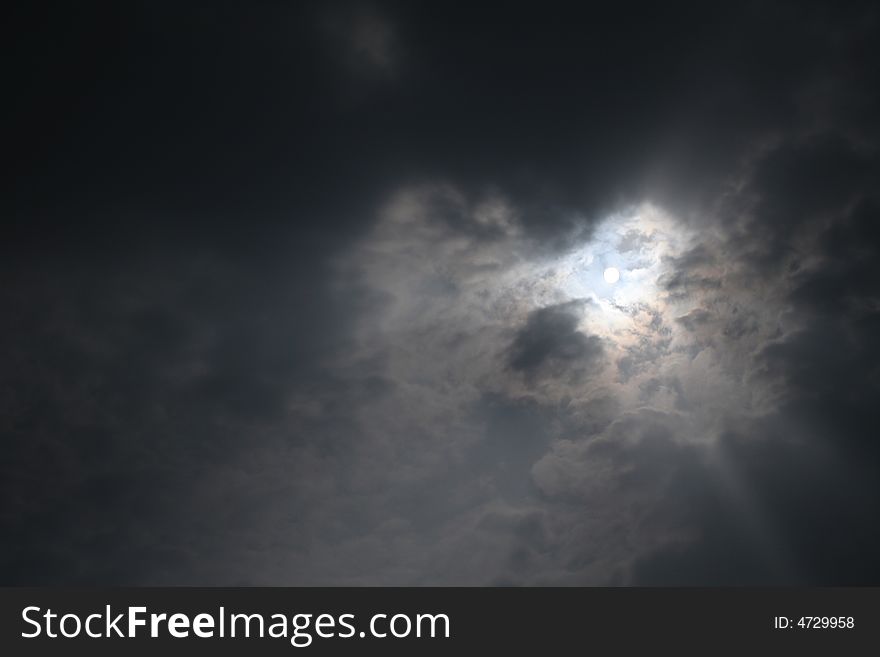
611,275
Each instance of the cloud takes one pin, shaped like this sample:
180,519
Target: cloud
550,343
364,40
315,296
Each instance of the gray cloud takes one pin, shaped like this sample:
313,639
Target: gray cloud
550,344
321,300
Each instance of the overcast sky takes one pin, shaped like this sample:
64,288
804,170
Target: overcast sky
315,293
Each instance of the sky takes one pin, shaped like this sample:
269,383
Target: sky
315,294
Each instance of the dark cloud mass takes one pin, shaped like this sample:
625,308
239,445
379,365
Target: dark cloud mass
550,343
313,293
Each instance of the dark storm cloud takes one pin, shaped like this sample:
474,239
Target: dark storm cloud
550,344
849,276
284,299
799,184
116,392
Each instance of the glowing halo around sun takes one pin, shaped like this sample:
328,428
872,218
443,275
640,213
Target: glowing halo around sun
619,271
611,275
